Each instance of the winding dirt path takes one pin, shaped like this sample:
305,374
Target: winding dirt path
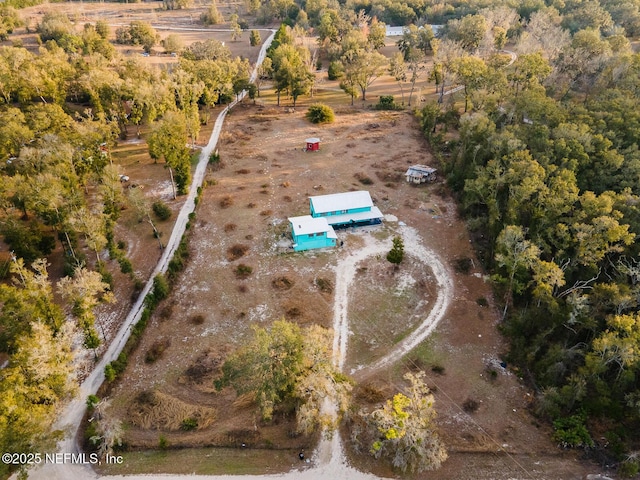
413,243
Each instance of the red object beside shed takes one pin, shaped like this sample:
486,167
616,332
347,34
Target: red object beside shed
313,144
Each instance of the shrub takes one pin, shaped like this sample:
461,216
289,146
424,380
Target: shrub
160,288
109,373
324,285
92,401
463,264
163,443
363,179
282,283
572,432
254,38
156,350
243,271
335,71
386,102
319,113
125,265
161,210
236,251
189,424
470,405
629,468
226,201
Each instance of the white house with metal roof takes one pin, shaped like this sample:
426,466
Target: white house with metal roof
346,209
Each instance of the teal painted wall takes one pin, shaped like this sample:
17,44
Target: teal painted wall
304,242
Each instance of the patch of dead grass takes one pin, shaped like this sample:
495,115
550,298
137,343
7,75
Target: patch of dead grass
237,251
226,201
160,411
282,283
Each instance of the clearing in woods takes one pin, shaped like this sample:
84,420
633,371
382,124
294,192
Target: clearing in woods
241,272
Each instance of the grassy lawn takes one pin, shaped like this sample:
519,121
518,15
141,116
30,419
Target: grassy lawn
204,461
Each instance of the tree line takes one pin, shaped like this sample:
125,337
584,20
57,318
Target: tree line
545,164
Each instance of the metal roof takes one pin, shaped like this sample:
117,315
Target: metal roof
312,140
347,218
306,224
420,170
341,201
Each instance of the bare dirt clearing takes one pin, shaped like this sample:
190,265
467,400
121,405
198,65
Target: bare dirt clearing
266,177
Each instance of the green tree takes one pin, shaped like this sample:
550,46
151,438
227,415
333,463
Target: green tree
236,30
398,70
9,19
168,140
406,431
212,15
469,31
173,43
28,299
254,38
138,33
396,254
268,367
40,375
515,254
362,67
85,291
471,72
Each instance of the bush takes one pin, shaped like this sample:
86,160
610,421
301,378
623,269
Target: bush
109,373
572,432
470,405
189,424
628,469
92,401
363,179
243,271
463,264
386,102
319,113
125,265
160,291
236,251
226,201
335,71
162,210
156,350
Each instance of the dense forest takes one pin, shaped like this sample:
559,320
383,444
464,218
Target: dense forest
545,164
540,147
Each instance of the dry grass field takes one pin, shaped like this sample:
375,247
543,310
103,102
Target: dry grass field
264,177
